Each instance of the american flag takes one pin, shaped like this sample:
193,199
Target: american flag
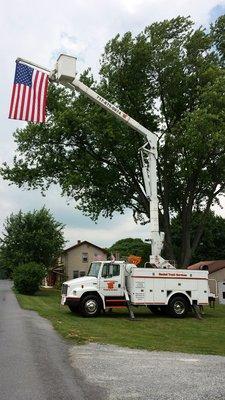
29,94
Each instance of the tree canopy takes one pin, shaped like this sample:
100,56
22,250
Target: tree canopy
31,237
171,79
131,247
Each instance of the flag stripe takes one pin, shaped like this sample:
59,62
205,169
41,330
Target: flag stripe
33,105
21,108
12,102
29,94
20,100
36,86
30,106
23,111
17,100
40,105
27,90
42,99
44,94
26,108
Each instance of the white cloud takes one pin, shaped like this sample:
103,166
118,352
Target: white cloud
107,233
39,31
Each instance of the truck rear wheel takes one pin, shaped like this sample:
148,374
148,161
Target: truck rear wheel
178,307
90,306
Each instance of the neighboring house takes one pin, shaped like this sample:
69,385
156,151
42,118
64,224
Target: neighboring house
216,276
76,260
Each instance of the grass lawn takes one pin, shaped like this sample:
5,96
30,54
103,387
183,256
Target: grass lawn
149,332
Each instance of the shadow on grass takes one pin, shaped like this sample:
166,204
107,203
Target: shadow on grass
124,315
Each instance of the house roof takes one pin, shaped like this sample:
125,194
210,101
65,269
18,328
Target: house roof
80,243
213,266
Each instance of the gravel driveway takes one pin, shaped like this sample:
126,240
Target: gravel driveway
142,375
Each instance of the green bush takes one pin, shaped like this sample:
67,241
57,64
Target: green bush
28,277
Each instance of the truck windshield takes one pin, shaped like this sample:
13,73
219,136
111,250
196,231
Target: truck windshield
94,269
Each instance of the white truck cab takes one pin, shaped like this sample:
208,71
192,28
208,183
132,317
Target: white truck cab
103,287
119,284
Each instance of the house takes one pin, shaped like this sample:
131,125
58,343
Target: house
216,276
75,260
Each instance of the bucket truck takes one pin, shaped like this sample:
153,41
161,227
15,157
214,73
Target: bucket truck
109,284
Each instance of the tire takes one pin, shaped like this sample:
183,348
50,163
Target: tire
178,307
158,310
90,306
74,308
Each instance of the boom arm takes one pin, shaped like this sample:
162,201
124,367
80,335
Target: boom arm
149,159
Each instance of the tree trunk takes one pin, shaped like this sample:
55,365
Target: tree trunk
168,246
186,236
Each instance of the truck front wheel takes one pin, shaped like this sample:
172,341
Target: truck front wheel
90,306
74,308
178,307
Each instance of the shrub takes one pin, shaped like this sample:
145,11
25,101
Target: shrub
28,277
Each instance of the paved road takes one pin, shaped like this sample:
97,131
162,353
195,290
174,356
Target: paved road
34,361
143,375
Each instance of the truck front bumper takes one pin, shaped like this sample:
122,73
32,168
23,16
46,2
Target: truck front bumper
66,301
63,299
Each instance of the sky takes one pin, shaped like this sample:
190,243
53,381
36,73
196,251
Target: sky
40,31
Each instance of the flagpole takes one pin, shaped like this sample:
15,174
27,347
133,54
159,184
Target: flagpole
23,60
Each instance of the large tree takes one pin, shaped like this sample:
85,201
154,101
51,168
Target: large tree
31,237
171,79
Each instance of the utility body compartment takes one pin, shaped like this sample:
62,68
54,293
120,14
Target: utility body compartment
156,286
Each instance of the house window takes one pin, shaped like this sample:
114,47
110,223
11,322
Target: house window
75,274
84,257
82,273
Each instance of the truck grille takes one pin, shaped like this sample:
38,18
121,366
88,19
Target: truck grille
64,289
